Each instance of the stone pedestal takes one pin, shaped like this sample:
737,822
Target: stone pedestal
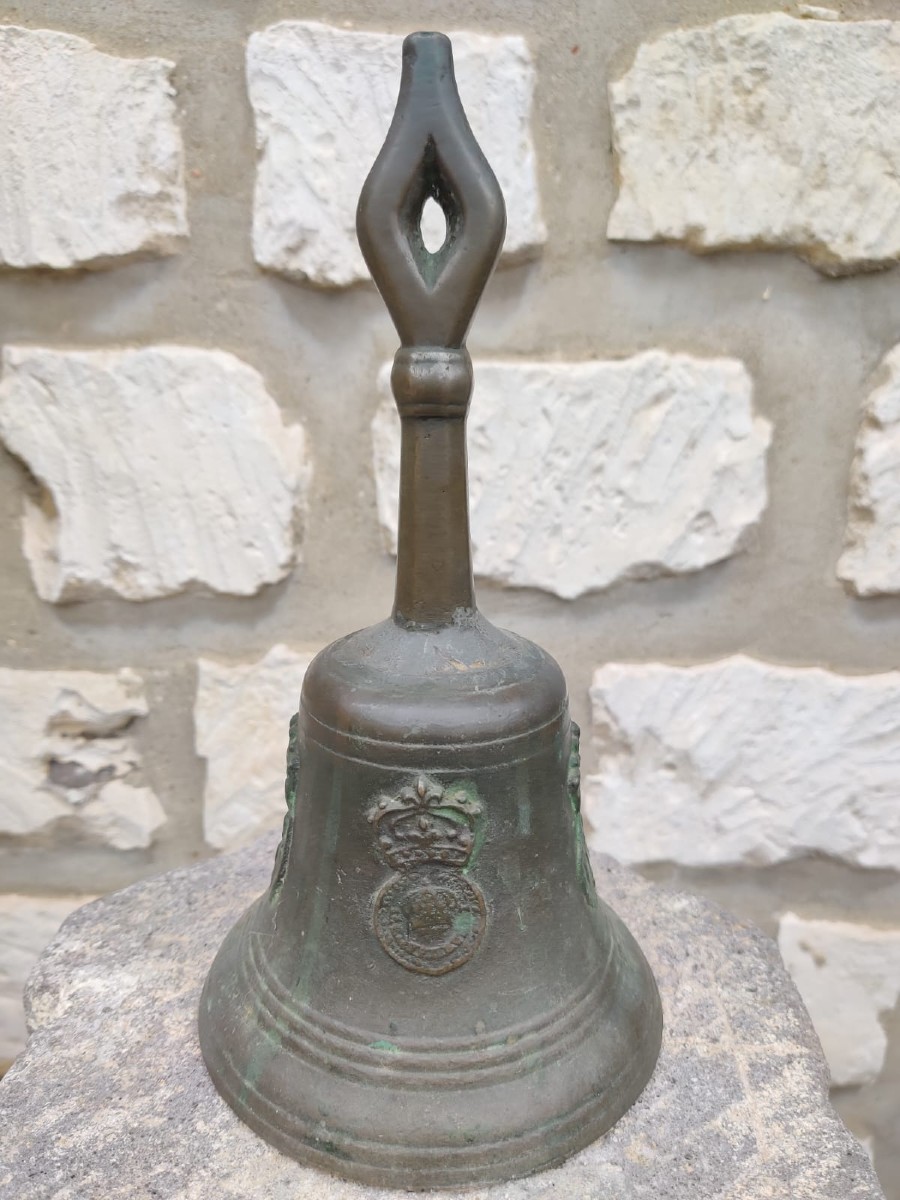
111,1101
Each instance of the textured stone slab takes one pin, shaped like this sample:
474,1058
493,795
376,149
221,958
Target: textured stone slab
27,924
91,153
849,977
583,474
66,754
871,559
323,99
764,131
741,761
164,469
241,718
737,1109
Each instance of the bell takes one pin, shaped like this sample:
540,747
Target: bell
430,993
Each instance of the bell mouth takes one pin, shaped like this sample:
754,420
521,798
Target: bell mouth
400,1113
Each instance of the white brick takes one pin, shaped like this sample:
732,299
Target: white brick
91,153
66,754
164,469
27,924
323,99
871,559
241,718
583,474
740,761
849,978
764,131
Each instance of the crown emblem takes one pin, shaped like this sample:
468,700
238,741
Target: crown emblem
425,823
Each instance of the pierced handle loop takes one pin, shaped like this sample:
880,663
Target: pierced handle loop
430,152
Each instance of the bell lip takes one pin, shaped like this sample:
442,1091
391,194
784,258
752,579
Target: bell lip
402,1164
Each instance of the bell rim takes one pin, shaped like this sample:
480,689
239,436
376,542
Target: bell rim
425,1168
413,1165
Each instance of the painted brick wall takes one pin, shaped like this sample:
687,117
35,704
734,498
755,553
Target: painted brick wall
684,442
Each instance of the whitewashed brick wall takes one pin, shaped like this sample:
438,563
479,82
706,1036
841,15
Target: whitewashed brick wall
684,443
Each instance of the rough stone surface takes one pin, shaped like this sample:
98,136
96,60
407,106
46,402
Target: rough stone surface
764,131
741,761
163,469
323,99
66,755
91,152
737,1108
871,559
849,977
27,924
583,474
241,718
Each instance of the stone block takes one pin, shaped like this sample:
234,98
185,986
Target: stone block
849,977
763,131
162,469
241,718
91,152
585,474
738,1105
27,924
744,762
870,563
323,99
67,753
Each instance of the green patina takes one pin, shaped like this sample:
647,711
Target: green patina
266,1049
464,922
387,1046
451,814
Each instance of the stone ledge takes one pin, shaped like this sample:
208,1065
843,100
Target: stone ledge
111,1098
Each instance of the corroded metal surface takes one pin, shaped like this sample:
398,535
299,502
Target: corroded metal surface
430,993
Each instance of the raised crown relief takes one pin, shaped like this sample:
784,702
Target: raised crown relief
428,917
425,823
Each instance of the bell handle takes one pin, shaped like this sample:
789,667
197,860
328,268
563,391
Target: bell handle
430,153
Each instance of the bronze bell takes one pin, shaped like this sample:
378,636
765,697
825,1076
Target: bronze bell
430,993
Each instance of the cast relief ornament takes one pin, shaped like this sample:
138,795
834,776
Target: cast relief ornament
429,917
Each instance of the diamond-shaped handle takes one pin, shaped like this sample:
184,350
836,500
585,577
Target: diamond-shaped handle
430,152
